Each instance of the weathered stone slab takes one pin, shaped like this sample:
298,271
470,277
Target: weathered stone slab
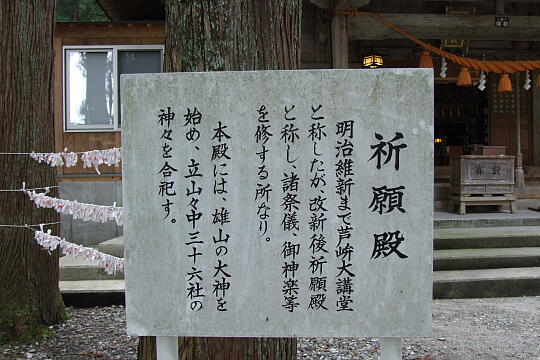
340,245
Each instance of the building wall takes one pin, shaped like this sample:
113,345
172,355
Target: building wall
85,185
76,183
83,35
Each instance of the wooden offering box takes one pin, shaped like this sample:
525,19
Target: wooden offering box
488,150
481,180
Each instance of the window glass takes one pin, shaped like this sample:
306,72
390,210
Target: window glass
89,80
137,62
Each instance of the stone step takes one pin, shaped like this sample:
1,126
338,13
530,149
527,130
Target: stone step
92,286
446,285
114,247
470,259
89,293
486,219
77,268
458,284
451,231
486,237
442,220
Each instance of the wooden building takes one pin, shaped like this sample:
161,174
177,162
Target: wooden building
90,57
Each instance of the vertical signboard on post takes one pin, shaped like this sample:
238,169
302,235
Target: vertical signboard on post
279,203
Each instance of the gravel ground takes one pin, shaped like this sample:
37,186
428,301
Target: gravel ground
502,328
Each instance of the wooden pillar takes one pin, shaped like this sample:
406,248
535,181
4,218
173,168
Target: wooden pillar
339,37
519,175
535,118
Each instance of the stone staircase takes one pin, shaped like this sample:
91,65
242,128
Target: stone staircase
476,255
88,285
491,261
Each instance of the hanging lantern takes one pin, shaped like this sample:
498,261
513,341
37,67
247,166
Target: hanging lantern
464,77
373,61
505,85
425,60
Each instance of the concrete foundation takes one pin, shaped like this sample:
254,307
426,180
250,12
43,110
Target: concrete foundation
89,233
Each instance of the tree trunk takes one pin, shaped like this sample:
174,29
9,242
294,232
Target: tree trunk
232,35
29,294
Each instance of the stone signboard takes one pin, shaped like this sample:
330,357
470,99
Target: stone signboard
279,203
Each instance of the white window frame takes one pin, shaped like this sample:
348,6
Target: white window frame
116,80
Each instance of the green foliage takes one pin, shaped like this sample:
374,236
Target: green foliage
79,11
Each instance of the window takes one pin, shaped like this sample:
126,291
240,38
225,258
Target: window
92,83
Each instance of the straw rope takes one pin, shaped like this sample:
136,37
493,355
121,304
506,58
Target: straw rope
488,66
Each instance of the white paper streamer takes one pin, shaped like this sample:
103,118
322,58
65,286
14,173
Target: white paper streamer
482,81
444,68
92,158
527,84
97,157
56,159
69,158
86,212
111,264
53,159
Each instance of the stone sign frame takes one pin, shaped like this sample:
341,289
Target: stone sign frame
389,108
